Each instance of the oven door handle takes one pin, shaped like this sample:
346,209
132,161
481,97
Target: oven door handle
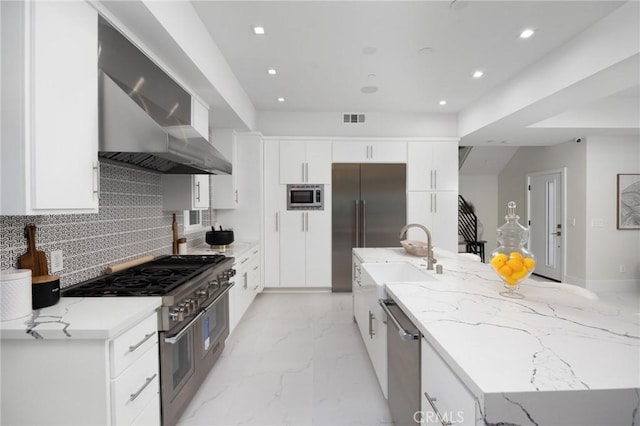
173,339
225,291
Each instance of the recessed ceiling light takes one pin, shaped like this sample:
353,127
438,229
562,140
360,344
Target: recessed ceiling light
443,102
527,33
370,50
425,51
280,99
271,71
258,30
369,89
478,74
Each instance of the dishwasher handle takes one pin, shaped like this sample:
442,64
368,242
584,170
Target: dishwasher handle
404,334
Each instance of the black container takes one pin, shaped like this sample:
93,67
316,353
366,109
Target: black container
45,291
219,238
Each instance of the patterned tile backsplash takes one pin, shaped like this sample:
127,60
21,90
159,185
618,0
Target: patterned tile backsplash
130,224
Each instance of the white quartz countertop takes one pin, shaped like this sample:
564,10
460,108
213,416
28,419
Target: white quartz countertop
82,318
554,339
235,250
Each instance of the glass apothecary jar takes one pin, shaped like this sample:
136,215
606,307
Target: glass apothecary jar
511,260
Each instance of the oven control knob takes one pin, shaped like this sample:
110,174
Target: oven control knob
177,314
184,308
214,284
202,294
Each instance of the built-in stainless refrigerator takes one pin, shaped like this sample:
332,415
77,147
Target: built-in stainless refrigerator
369,210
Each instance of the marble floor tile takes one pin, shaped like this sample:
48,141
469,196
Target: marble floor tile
294,359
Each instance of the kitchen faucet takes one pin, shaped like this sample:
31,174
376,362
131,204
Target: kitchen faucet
430,259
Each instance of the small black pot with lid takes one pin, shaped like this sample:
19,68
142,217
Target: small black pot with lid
220,237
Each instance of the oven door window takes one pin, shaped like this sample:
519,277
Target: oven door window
302,196
178,363
214,326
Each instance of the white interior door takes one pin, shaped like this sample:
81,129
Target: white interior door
546,201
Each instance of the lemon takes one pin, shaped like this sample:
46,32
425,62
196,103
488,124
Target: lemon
498,261
515,264
512,281
529,263
516,255
519,275
505,271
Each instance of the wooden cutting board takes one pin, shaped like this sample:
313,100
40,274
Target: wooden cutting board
33,259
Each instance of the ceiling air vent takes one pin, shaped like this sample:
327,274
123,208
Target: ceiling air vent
353,118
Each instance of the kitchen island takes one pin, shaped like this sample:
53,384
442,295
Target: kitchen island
555,357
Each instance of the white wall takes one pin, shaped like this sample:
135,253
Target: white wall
376,124
511,187
608,247
482,191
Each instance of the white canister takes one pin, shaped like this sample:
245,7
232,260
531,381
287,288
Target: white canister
15,294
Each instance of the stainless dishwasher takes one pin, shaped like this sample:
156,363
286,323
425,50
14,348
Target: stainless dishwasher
403,365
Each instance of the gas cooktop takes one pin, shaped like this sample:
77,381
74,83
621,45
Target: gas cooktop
155,278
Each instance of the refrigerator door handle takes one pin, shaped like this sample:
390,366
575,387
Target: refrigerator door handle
364,223
357,244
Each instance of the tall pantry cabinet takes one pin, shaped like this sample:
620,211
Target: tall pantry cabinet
432,191
297,242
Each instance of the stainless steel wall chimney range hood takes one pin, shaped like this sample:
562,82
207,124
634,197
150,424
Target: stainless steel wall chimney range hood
145,116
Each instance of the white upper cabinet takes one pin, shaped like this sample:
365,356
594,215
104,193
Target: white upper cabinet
432,166
49,108
369,152
305,162
225,187
438,211
185,192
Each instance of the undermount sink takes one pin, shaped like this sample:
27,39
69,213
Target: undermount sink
396,272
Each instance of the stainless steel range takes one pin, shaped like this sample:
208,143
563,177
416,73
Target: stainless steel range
193,321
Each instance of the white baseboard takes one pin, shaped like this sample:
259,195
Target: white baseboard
297,290
613,285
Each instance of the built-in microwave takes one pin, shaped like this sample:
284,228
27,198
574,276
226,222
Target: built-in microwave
305,197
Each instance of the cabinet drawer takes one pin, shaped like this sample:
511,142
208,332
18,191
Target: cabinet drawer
449,395
150,415
131,345
135,388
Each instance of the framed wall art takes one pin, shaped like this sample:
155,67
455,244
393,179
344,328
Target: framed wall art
628,201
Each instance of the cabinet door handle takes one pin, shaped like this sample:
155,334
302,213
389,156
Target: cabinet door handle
371,151
302,170
435,179
133,396
371,318
255,267
144,339
302,222
246,280
306,173
430,203
432,402
431,179
96,168
306,216
244,260
435,203
236,196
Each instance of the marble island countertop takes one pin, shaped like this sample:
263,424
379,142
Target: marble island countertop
554,339
81,318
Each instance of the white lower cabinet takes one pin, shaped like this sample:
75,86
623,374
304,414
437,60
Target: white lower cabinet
83,381
305,247
371,321
247,284
444,397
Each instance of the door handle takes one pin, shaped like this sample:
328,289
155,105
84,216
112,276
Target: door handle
96,168
357,244
306,172
557,234
277,221
371,318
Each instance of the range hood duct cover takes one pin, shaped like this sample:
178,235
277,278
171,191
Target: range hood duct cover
145,116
